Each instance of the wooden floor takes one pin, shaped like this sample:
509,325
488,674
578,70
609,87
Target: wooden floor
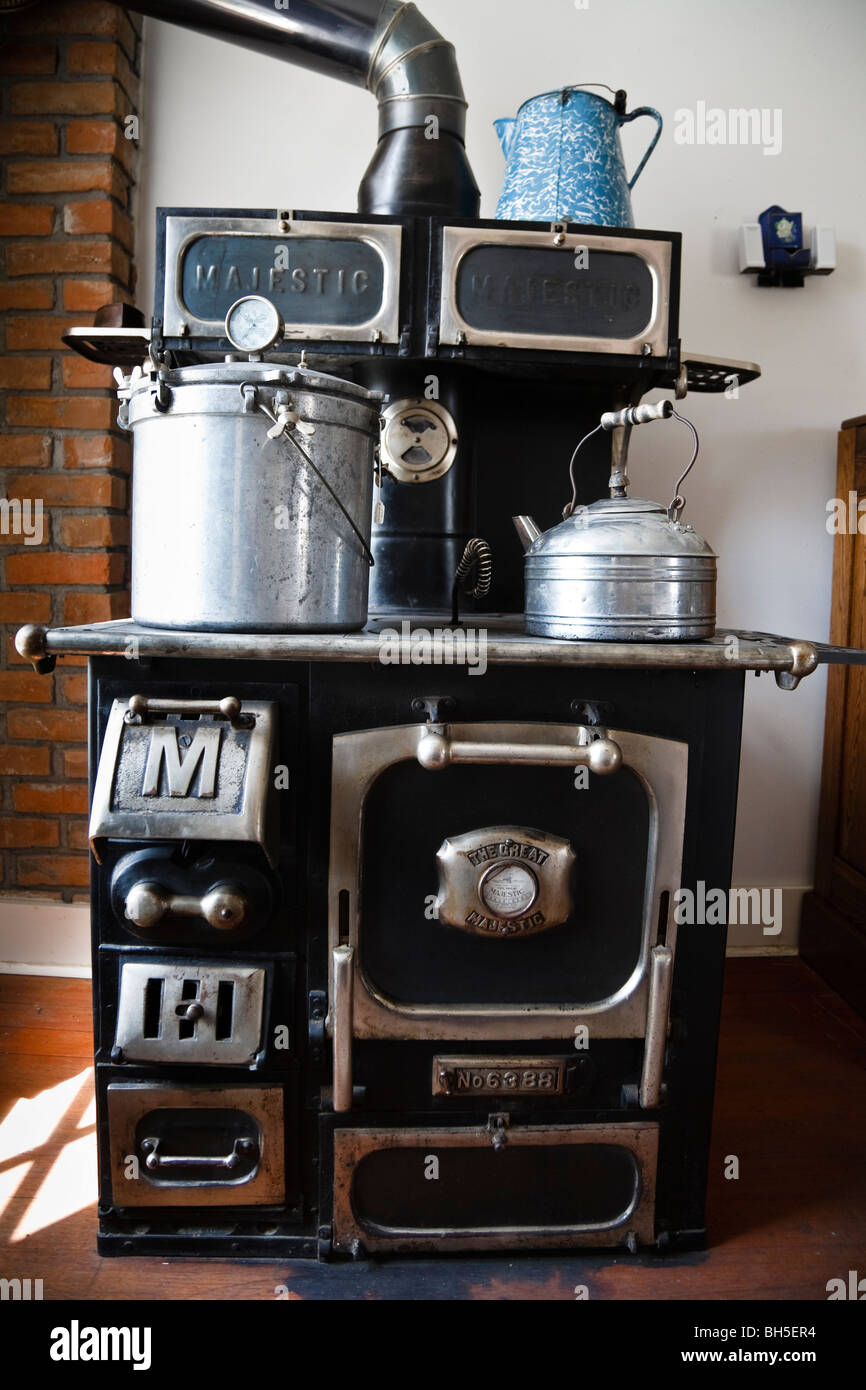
791,1105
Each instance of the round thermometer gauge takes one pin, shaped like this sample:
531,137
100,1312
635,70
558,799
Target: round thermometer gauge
508,890
253,324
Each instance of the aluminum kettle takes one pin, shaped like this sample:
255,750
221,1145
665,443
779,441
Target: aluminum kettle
624,569
565,161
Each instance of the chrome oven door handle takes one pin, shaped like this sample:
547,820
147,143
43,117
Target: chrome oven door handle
343,958
658,1010
437,750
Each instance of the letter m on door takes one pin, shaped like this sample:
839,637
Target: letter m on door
181,767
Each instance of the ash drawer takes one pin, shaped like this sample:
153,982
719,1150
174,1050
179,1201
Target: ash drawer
494,1188
196,1145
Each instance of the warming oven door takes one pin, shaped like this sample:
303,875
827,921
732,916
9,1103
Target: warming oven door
503,881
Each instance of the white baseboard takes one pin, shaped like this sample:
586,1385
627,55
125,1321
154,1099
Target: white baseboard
39,936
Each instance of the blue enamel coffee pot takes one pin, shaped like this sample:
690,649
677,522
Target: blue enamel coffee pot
564,159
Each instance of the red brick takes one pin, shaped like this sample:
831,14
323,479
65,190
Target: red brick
21,686
25,450
94,532
87,17
25,373
28,137
65,99
67,258
74,689
49,796
28,294
20,761
25,220
107,60
62,412
75,762
97,217
89,295
28,59
93,608
42,331
35,870
70,490
97,451
28,833
48,725
81,375
68,176
25,608
76,834
102,137
39,567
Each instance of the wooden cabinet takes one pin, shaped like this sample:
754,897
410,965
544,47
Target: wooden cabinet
833,933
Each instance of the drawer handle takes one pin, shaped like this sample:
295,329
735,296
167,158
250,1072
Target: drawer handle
155,1161
230,709
223,907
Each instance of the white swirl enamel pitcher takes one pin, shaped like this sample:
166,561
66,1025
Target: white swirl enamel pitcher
565,161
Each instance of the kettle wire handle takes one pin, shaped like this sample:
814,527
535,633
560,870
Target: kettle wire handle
632,116
624,419
678,505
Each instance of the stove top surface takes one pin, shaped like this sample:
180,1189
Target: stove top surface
419,639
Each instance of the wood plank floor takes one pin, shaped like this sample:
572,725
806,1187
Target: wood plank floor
790,1105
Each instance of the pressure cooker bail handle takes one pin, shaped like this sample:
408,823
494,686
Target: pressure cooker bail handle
632,116
282,424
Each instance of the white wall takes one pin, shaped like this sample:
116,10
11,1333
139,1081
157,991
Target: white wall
225,128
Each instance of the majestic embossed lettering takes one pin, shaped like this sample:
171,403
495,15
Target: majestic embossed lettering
180,770
478,922
508,849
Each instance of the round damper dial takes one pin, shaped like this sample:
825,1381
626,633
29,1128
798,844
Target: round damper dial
419,441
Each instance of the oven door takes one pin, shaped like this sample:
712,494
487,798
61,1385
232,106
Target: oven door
503,882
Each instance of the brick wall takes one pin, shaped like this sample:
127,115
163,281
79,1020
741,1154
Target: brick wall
68,83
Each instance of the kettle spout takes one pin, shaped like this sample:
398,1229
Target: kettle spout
527,530
505,128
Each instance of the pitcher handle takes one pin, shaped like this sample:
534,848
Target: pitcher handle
632,115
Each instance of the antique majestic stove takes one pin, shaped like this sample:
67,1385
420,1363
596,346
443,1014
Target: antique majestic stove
385,949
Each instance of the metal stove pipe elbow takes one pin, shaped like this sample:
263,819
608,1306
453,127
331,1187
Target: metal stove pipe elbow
420,165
